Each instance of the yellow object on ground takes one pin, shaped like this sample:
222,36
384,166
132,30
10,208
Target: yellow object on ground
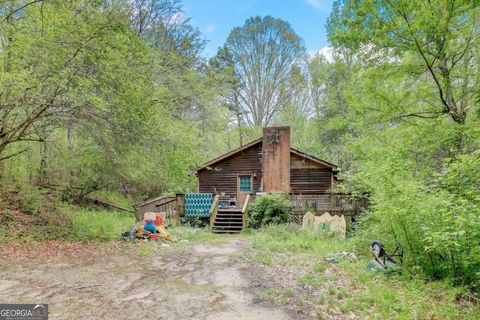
164,233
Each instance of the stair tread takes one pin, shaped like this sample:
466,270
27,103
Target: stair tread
226,231
228,220
230,210
227,227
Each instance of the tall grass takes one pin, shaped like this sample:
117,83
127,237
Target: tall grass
292,238
99,224
369,295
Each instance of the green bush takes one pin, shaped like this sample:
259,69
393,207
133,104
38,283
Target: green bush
438,224
269,209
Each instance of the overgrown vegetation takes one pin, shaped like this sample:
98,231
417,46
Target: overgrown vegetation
101,98
306,281
438,225
195,222
34,214
269,209
100,224
410,120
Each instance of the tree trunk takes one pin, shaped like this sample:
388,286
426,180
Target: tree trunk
69,154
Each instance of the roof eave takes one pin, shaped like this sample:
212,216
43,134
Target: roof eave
226,155
254,142
310,157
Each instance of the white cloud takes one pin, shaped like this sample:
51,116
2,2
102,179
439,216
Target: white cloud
326,52
177,19
209,29
317,4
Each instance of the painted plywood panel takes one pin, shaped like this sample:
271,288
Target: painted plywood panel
327,224
308,221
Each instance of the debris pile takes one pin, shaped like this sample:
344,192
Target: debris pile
152,229
382,261
339,256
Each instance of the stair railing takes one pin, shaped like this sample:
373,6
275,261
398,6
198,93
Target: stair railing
214,210
244,211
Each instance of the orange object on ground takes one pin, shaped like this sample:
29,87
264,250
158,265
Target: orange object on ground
164,233
154,236
159,220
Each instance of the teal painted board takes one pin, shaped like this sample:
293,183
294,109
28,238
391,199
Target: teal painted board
198,204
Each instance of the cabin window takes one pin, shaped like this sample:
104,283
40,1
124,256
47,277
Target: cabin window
245,183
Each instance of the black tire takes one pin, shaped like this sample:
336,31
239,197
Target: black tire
378,248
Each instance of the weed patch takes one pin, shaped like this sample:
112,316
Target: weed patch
100,224
291,258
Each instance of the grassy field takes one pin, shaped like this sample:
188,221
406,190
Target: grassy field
291,263
35,214
99,224
308,281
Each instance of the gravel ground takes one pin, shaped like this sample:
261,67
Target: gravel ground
119,281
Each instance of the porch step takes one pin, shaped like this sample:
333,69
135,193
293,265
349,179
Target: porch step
225,231
228,221
226,224
228,216
232,218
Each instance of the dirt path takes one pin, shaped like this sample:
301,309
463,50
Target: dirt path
202,281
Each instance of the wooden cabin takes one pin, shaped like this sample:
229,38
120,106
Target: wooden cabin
268,164
226,184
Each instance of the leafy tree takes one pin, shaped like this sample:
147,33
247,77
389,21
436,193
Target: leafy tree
108,99
223,65
436,41
262,53
398,98
164,26
43,68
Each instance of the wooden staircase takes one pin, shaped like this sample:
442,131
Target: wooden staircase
228,221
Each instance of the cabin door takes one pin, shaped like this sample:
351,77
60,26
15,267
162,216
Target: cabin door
244,187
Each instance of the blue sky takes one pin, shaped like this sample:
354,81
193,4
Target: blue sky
216,18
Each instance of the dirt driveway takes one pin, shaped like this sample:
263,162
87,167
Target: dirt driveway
185,281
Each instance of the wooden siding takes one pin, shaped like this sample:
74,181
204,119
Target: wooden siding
223,176
308,177
160,204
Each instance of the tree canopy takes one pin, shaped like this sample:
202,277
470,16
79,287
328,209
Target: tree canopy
115,95
262,54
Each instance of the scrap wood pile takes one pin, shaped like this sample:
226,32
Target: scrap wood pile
151,229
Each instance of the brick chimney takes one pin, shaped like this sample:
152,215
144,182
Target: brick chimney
276,159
